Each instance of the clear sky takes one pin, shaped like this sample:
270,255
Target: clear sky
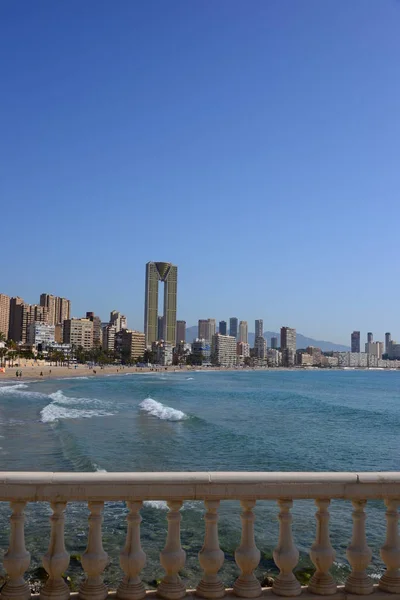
253,143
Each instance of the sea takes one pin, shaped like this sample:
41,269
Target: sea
276,420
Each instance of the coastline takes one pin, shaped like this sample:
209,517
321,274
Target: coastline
30,372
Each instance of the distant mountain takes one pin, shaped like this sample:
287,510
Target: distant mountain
301,340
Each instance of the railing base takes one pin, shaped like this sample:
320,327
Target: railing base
341,594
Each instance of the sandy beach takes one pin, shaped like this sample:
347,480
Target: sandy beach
51,372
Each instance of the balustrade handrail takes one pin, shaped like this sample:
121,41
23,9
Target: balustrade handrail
60,487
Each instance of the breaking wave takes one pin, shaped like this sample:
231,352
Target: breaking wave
60,408
165,413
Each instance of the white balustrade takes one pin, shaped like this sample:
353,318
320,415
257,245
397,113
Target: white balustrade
359,554
17,558
286,554
132,557
247,556
56,560
173,556
211,557
390,552
94,559
134,488
322,554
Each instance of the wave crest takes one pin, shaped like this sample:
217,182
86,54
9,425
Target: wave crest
60,408
165,413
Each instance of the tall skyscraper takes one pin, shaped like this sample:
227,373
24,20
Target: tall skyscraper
78,332
15,326
288,346
97,329
180,332
370,337
388,341
4,314
168,274
160,328
259,328
222,327
243,332
202,328
288,338
355,341
58,309
233,327
206,329
274,342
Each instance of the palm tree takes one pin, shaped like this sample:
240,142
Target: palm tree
2,337
3,354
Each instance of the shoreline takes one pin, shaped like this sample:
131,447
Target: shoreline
64,372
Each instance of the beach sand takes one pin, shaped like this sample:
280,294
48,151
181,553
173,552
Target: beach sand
51,372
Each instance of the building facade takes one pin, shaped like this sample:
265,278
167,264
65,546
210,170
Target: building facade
41,335
274,343
58,309
109,332
180,332
388,341
223,350
78,332
288,346
259,328
201,349
206,329
167,273
4,314
222,328
260,347
243,332
370,337
97,329
130,343
233,327
355,341
163,353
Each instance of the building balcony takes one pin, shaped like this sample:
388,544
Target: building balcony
212,489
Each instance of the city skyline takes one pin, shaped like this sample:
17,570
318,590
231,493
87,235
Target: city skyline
275,122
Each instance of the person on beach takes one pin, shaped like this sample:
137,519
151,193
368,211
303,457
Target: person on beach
16,374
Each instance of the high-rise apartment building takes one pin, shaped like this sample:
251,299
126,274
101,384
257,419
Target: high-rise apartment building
260,347
4,314
15,323
21,317
370,337
130,343
259,328
160,328
168,274
97,329
388,341
274,343
206,329
355,341
180,332
288,346
109,333
243,332
233,327
115,319
58,309
202,329
78,332
223,350
40,335
222,329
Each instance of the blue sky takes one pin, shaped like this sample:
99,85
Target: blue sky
255,144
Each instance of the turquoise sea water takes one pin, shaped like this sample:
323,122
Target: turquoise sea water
242,421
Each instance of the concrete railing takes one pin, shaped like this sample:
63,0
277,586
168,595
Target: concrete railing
96,488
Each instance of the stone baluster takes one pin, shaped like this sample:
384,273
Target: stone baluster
94,559
247,556
286,554
322,554
173,556
132,557
211,557
56,560
17,558
358,553
390,552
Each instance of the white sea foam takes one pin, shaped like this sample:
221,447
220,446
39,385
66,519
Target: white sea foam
189,378
160,504
20,389
60,408
166,413
99,469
